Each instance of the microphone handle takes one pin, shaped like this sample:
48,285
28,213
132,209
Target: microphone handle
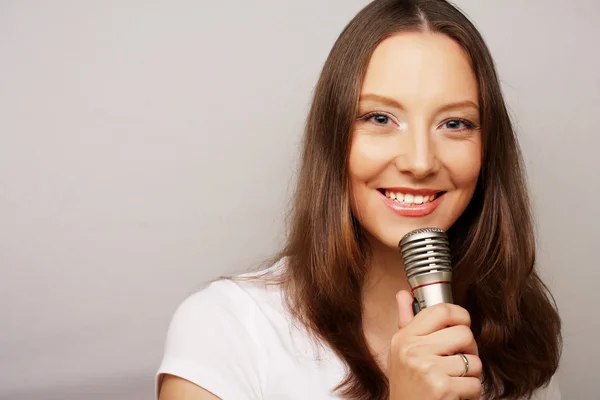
433,288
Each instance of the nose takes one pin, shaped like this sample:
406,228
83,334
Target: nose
417,153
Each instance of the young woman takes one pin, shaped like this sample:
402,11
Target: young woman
407,129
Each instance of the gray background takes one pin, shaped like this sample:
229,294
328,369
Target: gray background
147,146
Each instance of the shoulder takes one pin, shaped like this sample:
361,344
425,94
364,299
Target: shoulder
223,301
227,308
238,300
218,337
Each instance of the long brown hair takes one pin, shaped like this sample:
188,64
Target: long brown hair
514,318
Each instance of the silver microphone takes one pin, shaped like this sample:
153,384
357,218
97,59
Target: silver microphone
426,256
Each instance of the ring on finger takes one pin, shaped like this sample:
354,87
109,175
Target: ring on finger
466,361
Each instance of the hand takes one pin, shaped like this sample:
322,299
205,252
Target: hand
424,360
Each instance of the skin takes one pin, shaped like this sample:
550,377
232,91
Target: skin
422,87
424,135
175,388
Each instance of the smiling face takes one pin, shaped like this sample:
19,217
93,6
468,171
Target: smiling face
416,149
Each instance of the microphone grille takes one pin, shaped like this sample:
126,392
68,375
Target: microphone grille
425,250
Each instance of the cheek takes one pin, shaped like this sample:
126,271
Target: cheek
366,163
464,165
369,156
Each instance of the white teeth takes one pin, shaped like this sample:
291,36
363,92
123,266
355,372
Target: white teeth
410,198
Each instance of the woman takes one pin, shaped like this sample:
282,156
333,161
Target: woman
407,129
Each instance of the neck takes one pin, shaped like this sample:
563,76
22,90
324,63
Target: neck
386,277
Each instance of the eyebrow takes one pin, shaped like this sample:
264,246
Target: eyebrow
396,104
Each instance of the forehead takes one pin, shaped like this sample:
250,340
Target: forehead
421,69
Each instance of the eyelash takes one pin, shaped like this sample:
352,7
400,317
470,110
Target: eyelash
375,114
468,124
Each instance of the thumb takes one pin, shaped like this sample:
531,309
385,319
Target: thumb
405,308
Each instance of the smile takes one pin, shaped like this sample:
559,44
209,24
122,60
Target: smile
412,202
411,199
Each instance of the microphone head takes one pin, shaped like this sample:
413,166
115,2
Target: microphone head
426,256
425,250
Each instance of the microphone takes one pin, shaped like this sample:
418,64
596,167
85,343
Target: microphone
426,256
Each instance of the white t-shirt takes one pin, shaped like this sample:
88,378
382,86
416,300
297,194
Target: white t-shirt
237,340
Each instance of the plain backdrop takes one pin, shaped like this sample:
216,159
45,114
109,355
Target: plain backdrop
148,146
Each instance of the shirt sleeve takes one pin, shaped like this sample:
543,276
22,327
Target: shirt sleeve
211,341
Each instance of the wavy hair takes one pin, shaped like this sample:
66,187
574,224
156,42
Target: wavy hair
514,317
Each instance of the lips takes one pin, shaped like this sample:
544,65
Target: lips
412,202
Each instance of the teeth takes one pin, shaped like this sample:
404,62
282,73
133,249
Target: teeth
409,198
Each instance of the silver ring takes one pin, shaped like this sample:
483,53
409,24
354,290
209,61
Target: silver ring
466,361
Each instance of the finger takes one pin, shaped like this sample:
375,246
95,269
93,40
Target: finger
451,340
455,365
437,317
405,310
467,388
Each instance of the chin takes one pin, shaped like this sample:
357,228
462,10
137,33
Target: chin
390,236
